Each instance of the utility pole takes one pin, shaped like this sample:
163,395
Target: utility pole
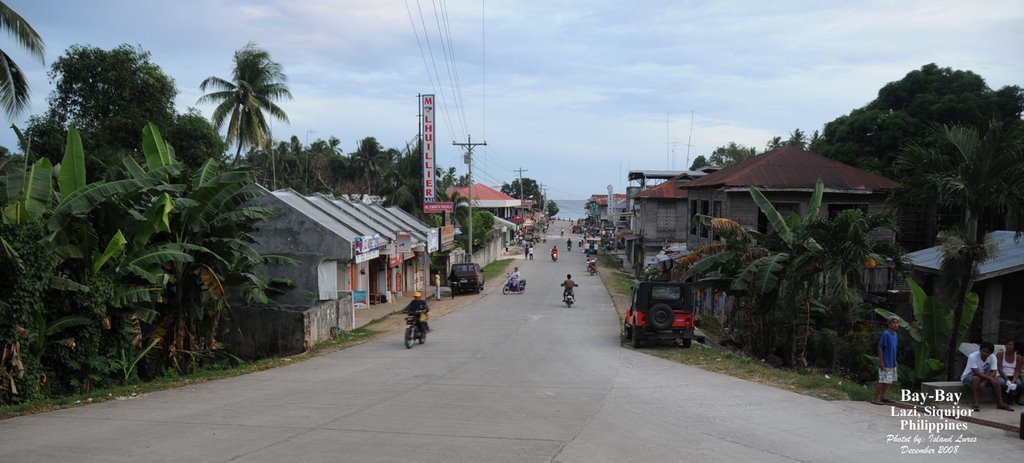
521,197
468,159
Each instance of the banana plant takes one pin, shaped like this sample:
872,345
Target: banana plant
931,329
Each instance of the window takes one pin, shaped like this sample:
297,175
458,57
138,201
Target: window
835,209
785,209
693,218
704,210
716,211
665,293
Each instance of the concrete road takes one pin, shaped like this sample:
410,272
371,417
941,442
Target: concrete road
517,378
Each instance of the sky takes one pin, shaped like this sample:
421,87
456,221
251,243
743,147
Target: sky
576,93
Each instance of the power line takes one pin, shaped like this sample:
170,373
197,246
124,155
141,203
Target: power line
424,56
430,49
452,63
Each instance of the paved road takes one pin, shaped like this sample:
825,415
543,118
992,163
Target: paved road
516,378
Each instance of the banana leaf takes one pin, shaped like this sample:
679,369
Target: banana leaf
72,167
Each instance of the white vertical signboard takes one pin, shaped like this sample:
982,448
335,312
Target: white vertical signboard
427,131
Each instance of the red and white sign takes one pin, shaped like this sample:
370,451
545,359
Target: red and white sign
438,207
427,131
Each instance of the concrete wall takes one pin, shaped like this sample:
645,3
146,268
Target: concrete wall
491,251
292,234
260,332
674,219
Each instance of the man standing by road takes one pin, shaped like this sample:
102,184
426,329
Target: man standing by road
437,286
886,360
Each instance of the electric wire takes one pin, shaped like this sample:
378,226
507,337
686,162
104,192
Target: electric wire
444,100
424,56
448,52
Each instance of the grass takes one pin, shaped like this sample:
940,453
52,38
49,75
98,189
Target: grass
814,384
620,285
496,269
127,392
620,281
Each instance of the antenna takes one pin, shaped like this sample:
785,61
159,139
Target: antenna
690,140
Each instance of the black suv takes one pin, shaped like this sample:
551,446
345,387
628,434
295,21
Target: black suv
468,278
660,311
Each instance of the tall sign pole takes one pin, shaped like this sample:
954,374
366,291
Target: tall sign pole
469,145
427,144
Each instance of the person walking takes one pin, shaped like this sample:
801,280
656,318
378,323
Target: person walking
886,361
530,252
437,286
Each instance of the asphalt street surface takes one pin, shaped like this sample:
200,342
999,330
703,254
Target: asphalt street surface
516,378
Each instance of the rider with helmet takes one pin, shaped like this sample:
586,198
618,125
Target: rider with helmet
418,306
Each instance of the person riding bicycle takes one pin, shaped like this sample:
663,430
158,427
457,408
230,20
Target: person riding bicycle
418,306
569,285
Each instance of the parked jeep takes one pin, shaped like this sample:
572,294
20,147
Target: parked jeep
469,278
660,310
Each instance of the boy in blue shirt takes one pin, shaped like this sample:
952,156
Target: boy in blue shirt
886,360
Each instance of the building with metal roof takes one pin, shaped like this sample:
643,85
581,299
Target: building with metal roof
1000,284
787,177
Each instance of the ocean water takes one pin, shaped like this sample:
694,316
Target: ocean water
571,208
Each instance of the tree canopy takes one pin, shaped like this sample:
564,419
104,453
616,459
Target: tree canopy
871,136
730,154
108,94
530,190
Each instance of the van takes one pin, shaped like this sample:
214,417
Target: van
469,277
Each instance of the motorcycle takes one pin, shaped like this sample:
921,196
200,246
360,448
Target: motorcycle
414,329
592,267
554,257
570,299
515,289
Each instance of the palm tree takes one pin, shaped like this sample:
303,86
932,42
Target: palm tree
13,83
369,161
257,82
981,175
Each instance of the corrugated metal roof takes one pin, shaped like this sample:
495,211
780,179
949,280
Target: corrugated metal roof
331,223
1008,259
603,199
792,167
667,190
353,217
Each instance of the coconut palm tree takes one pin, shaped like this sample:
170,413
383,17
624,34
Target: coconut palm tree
983,176
256,83
369,161
13,83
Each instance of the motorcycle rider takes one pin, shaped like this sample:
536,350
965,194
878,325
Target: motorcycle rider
514,279
554,251
569,285
592,265
418,306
